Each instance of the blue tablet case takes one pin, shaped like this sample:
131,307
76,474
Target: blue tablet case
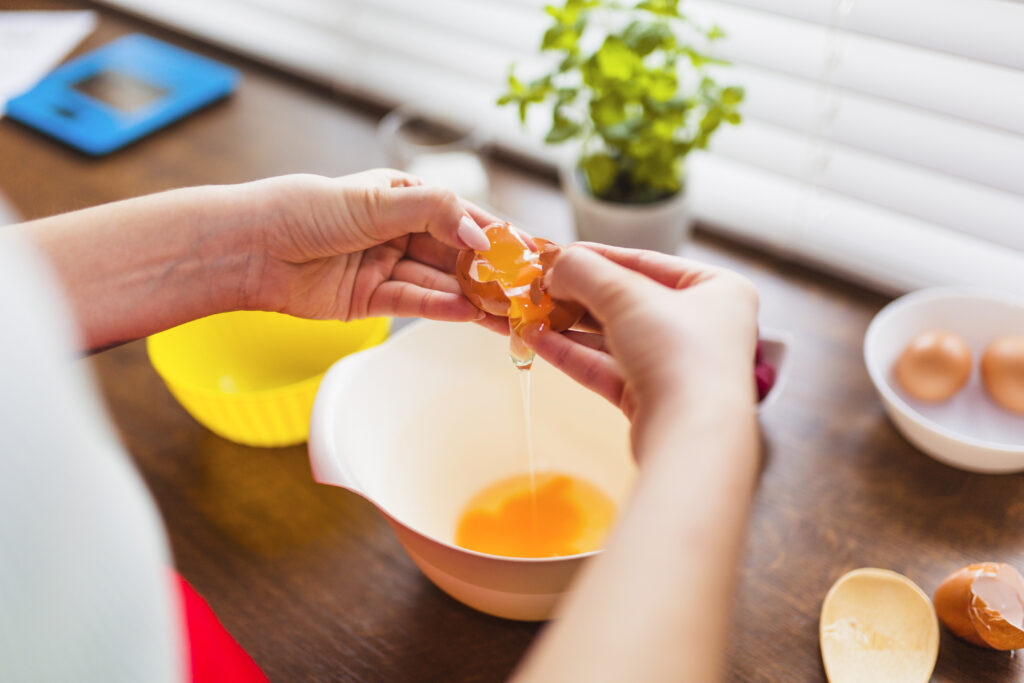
121,92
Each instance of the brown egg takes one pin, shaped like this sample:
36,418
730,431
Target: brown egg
934,366
1002,371
984,604
489,297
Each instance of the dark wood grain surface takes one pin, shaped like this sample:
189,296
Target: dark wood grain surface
310,579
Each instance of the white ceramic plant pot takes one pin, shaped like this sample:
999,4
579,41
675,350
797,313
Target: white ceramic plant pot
661,226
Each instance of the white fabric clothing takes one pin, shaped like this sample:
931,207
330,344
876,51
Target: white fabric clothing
85,583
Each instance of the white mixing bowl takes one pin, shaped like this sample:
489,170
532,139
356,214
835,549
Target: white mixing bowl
422,423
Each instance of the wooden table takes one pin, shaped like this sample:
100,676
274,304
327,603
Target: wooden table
311,580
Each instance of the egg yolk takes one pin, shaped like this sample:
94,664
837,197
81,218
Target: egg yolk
515,265
565,515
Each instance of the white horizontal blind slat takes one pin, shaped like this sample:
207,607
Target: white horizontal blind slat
292,44
972,90
986,30
489,22
883,249
952,145
935,197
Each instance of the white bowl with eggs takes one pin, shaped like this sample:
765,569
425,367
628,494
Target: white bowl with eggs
970,430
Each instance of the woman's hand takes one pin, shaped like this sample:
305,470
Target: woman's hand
373,243
677,354
673,332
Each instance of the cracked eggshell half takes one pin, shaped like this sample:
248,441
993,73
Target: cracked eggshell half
490,298
878,625
984,605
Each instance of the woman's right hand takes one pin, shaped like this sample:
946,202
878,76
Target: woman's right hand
674,334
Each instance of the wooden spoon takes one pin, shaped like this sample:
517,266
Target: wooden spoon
877,625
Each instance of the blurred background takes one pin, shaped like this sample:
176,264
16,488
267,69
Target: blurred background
882,138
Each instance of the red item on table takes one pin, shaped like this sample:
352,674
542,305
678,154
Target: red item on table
214,656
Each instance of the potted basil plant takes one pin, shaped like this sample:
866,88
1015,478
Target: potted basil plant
636,102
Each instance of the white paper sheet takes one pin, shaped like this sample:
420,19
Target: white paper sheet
32,43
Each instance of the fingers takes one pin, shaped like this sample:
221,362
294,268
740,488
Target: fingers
396,211
588,339
671,271
380,177
424,276
605,289
590,367
406,300
494,323
426,249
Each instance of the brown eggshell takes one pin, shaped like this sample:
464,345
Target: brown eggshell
566,313
1002,371
953,599
934,366
960,602
989,591
488,296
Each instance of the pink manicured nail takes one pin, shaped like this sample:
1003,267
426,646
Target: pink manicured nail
472,235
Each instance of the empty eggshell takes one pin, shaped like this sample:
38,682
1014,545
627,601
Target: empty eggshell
1002,371
934,366
877,625
984,605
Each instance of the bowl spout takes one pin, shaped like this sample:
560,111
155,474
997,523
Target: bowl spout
326,458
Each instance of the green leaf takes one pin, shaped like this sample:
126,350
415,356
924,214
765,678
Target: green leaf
622,132
699,59
565,95
672,106
514,84
716,33
571,61
562,128
644,37
600,171
668,8
607,110
616,61
661,85
732,95
560,37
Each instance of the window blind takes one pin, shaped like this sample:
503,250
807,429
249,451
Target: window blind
882,138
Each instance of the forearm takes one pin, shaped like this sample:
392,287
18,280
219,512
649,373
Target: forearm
656,605
138,266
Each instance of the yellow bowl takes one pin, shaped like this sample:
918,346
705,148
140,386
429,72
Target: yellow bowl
250,376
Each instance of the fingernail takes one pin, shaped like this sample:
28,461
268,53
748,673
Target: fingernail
480,315
472,235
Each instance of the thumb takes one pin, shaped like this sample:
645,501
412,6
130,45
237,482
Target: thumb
606,289
397,211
